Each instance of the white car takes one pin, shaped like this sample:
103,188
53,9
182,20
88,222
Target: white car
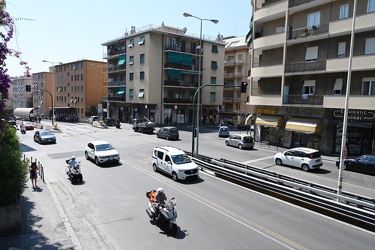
174,162
304,158
101,152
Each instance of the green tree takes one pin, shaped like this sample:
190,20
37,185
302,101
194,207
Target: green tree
91,110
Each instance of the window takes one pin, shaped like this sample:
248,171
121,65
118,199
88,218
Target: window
141,93
368,86
131,76
131,93
131,43
338,87
344,11
311,54
370,6
280,29
214,65
81,76
239,57
308,87
131,60
141,40
121,60
313,19
213,80
370,45
141,75
141,58
214,49
212,96
341,49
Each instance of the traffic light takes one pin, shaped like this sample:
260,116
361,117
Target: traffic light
243,87
28,88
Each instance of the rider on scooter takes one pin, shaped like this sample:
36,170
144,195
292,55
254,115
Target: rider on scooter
160,199
72,162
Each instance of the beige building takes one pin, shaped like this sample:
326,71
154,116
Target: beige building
153,72
236,71
73,86
19,96
299,74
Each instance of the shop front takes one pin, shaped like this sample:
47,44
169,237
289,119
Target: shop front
268,128
305,132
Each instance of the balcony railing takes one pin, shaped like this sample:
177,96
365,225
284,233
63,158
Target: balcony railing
178,100
116,98
293,3
181,49
116,84
309,31
180,66
305,66
180,84
303,99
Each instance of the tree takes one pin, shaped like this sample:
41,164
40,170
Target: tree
91,110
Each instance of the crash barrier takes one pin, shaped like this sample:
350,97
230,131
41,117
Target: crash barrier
351,208
40,167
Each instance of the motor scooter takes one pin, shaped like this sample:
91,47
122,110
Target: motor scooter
23,129
118,124
74,172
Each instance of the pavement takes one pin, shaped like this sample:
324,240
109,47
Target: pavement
44,223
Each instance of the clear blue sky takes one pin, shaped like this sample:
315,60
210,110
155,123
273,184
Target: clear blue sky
70,30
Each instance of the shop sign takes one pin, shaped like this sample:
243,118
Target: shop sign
356,114
266,111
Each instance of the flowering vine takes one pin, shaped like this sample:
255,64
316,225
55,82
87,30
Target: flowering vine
7,22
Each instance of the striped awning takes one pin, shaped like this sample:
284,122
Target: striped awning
269,121
307,126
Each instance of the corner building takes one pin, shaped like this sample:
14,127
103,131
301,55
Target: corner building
153,72
300,57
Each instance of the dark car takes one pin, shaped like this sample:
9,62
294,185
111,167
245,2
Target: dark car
110,121
44,136
363,163
169,133
12,121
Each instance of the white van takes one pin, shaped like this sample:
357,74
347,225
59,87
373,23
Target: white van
174,162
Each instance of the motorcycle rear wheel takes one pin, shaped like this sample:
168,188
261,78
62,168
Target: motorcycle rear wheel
173,228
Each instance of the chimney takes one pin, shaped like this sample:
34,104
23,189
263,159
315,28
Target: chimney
132,30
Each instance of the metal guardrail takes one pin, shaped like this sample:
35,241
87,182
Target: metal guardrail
351,208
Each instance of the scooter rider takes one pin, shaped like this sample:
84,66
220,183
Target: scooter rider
72,162
160,199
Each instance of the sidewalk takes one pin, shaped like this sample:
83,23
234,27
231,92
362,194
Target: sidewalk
42,223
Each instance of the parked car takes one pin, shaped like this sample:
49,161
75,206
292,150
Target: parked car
110,121
169,133
363,163
12,121
304,158
240,141
223,131
101,152
92,119
28,125
44,136
174,162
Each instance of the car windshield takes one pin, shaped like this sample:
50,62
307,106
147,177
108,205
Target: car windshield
247,139
45,133
181,159
104,147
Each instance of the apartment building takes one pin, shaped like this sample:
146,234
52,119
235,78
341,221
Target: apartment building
236,70
19,94
153,72
73,86
298,82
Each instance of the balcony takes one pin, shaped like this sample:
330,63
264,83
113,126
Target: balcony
268,71
178,48
115,98
363,62
355,101
191,69
303,99
231,99
309,32
270,41
178,100
116,84
304,66
269,100
271,9
181,84
231,87
344,26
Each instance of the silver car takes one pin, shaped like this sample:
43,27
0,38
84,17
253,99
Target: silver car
240,141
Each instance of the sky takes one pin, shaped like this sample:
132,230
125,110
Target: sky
71,30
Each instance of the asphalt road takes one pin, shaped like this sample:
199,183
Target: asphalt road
108,210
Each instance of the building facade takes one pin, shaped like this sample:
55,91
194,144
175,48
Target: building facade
153,73
74,87
236,71
299,76
19,93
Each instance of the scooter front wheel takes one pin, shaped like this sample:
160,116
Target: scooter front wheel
173,228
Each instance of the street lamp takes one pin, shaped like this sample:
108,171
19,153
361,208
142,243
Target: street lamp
53,89
199,74
98,66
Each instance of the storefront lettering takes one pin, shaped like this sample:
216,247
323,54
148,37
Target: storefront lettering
266,111
355,114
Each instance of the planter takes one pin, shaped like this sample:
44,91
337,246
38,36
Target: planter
10,218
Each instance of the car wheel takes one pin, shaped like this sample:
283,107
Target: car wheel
344,166
157,136
34,139
97,161
86,155
155,168
305,167
167,137
240,146
278,162
174,176
227,143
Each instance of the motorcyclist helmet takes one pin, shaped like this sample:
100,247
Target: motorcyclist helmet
73,158
160,190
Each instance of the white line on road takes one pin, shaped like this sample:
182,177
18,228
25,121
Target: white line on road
258,159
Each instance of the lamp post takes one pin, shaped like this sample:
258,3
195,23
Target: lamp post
53,89
98,66
199,75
